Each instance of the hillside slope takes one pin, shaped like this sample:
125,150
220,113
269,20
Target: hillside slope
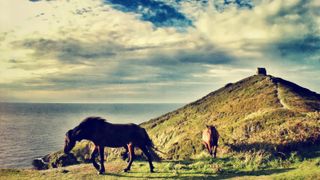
257,113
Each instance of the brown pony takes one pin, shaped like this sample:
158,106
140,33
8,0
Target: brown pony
104,134
210,138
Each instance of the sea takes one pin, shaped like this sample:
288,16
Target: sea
32,130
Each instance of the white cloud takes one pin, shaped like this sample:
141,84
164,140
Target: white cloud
267,22
68,47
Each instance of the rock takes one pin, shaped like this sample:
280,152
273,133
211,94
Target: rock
65,160
40,164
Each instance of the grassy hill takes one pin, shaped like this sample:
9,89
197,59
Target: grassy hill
260,113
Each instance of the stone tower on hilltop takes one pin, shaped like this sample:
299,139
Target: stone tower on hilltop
261,71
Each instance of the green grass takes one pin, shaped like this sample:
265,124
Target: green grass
303,165
243,167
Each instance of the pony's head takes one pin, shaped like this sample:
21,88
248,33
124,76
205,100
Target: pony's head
210,127
69,142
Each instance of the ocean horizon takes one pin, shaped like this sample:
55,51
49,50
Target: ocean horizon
31,130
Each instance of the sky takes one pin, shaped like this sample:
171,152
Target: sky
151,51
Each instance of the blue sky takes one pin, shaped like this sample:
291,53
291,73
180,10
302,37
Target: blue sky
151,50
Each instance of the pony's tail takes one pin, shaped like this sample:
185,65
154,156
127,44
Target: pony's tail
151,148
149,142
153,154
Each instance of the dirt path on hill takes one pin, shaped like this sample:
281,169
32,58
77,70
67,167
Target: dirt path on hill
280,97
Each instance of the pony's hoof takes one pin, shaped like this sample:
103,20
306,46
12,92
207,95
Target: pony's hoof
152,169
126,170
101,173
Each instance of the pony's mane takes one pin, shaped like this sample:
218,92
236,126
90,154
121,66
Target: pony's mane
90,120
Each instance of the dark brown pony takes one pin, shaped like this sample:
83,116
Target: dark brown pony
210,138
104,134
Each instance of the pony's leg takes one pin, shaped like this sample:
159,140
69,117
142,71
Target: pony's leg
93,158
208,148
131,157
102,169
146,152
125,155
215,151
